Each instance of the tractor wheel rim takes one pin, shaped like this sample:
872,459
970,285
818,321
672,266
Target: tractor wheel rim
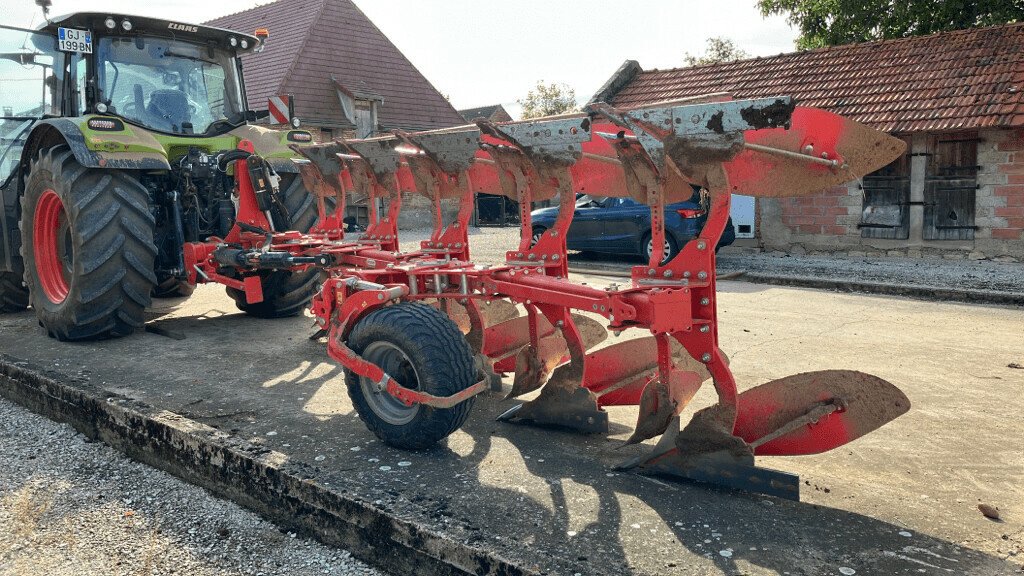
52,249
536,238
664,255
396,363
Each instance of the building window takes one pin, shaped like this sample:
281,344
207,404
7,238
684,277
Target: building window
365,118
886,209
949,187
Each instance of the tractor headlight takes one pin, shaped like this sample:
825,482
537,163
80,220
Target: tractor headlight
233,41
126,25
110,23
101,107
245,44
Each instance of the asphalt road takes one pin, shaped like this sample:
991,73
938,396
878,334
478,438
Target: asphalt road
899,501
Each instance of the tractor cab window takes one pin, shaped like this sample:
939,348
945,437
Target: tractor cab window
168,85
31,79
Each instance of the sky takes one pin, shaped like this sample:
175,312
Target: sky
482,52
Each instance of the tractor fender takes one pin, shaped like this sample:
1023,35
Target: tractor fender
127,149
273,145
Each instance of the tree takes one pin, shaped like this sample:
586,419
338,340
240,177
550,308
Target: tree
548,100
718,50
833,22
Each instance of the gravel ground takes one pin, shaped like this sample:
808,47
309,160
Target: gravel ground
71,506
488,245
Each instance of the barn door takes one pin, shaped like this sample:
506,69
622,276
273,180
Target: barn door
949,189
886,211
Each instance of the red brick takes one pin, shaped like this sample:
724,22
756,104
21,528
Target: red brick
835,230
1006,234
1009,211
837,211
1012,168
1015,179
1007,190
1017,223
800,220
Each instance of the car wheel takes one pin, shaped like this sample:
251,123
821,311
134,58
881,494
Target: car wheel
670,249
538,231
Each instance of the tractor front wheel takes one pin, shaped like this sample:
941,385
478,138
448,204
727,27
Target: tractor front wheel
422,349
87,246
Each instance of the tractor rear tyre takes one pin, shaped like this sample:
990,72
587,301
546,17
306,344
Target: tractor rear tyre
13,294
287,293
87,245
422,349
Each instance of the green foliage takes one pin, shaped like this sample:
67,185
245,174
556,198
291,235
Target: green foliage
834,22
718,50
548,100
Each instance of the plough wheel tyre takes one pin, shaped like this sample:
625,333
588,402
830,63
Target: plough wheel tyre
87,245
287,293
422,349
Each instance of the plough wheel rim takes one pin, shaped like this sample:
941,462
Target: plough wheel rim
397,364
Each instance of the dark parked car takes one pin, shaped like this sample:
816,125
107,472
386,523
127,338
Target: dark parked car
623,225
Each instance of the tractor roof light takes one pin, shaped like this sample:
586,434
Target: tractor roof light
126,25
110,23
245,44
262,33
233,41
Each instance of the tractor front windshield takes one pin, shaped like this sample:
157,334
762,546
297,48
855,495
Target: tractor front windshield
31,77
169,85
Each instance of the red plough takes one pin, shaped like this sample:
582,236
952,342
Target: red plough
421,333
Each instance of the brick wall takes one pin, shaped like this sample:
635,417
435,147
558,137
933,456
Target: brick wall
828,221
1001,194
1007,170
826,213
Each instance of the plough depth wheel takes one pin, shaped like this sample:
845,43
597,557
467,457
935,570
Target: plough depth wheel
423,350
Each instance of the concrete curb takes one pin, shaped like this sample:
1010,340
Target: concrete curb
974,296
920,292
253,476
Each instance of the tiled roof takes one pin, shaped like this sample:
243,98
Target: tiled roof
313,40
947,81
471,114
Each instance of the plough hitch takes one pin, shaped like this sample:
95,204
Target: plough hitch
421,333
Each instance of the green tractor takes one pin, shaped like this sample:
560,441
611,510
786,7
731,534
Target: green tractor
112,134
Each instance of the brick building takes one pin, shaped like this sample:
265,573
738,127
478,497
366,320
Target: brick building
955,97
346,77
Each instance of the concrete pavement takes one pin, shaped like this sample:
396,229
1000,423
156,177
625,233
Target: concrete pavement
898,501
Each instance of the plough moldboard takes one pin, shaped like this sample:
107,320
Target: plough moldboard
421,333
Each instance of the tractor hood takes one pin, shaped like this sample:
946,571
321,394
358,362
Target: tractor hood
145,26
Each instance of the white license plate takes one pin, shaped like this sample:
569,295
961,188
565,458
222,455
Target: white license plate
72,40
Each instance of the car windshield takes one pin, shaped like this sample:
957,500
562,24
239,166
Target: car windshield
168,85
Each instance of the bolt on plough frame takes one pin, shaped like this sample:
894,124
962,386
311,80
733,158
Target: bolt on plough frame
421,333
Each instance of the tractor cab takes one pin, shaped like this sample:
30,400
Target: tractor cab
166,77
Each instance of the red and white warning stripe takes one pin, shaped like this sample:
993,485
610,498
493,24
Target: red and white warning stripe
279,109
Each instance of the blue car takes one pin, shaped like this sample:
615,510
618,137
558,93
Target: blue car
623,225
